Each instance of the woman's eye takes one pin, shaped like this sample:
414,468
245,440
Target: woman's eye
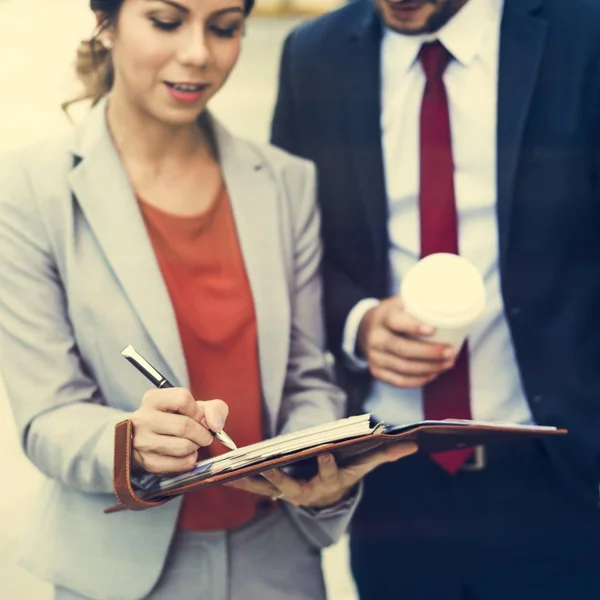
165,25
226,32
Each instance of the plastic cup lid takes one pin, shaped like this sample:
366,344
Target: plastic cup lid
444,289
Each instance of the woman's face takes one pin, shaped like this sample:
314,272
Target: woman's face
171,56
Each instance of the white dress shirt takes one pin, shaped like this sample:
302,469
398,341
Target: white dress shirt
472,36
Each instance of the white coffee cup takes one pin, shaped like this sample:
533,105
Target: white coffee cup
447,292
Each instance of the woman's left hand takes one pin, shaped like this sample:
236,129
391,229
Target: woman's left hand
330,486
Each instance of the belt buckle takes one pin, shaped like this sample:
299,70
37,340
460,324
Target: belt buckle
478,462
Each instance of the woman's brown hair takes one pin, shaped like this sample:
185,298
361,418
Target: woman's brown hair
93,63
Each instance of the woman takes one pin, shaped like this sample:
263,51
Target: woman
151,225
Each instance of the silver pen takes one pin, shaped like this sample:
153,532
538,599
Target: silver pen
161,382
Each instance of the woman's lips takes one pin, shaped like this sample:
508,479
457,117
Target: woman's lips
186,93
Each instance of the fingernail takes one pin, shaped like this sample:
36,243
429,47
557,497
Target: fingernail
218,421
326,458
449,353
426,329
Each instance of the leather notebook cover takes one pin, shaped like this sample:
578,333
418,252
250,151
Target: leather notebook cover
346,439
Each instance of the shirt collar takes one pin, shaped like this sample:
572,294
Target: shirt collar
463,35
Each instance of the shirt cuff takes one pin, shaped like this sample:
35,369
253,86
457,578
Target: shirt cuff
355,316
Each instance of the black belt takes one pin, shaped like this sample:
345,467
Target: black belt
486,455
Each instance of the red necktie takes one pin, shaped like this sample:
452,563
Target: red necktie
448,395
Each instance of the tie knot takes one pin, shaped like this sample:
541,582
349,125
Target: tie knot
434,59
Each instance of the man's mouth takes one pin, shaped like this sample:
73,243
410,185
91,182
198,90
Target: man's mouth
406,4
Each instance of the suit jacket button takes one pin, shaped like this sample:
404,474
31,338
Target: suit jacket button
515,311
538,398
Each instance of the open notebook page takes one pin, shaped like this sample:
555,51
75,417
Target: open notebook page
289,443
283,444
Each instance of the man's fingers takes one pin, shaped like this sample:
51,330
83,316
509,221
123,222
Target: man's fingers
396,319
402,366
407,363
410,349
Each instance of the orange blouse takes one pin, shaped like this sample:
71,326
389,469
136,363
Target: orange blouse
203,268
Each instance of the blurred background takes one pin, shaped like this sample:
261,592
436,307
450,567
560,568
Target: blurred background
38,42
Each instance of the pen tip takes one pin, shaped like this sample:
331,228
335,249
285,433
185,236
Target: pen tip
127,351
226,440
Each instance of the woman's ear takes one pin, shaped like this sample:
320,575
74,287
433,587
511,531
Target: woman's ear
103,31
100,18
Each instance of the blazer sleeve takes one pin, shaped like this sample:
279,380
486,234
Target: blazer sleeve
65,428
310,396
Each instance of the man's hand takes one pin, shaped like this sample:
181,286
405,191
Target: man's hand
386,338
329,487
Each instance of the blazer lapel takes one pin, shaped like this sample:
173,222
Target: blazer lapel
102,189
523,36
254,200
362,104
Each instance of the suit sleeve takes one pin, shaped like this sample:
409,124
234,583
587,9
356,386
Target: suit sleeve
283,125
65,428
596,129
341,294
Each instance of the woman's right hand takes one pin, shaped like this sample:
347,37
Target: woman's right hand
169,428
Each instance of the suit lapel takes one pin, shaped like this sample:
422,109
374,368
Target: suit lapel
361,82
255,203
522,37
102,189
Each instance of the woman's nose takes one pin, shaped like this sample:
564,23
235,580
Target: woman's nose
194,50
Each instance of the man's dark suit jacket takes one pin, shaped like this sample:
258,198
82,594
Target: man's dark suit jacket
548,211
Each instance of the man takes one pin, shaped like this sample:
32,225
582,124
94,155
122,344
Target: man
472,127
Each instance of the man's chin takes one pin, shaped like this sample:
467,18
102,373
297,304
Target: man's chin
407,24
406,29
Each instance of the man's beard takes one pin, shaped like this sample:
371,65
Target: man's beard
438,19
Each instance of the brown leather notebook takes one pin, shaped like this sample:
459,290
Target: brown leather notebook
346,439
